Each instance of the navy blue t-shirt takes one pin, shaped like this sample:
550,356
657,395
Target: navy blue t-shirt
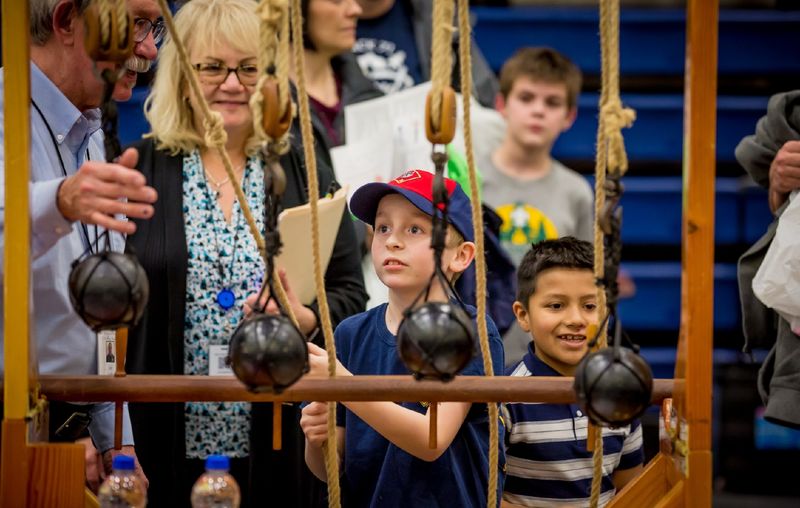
387,51
379,474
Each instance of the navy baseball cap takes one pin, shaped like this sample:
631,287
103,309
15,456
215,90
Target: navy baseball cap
416,186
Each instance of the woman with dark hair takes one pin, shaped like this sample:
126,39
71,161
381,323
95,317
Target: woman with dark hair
333,77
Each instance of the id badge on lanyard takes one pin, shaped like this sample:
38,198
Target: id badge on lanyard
106,352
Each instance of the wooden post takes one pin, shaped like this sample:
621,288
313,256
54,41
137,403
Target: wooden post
16,261
694,362
277,423
122,354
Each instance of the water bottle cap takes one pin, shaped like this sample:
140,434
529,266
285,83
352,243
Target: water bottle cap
217,462
123,462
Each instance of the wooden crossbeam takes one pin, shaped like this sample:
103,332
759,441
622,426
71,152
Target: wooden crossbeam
147,388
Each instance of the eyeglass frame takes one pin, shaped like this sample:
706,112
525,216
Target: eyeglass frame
158,29
228,70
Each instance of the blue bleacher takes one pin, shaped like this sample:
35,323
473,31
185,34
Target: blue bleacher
657,133
657,302
652,41
652,210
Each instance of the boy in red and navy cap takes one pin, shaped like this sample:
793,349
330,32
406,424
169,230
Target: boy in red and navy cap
383,446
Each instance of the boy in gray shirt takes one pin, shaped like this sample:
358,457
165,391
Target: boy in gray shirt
537,197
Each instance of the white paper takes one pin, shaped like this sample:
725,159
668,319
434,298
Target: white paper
386,136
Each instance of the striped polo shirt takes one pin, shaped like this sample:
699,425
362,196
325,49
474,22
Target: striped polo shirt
546,457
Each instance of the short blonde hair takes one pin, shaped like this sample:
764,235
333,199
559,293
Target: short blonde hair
202,25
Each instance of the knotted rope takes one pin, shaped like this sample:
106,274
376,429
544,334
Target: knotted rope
331,453
465,55
215,137
611,158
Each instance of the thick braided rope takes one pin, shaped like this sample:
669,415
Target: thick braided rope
122,21
104,13
273,55
465,54
331,454
611,157
441,56
597,468
215,136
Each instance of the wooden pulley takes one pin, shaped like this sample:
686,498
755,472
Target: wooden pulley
447,118
275,125
113,49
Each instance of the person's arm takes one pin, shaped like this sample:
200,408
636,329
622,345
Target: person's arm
101,429
621,477
314,422
404,427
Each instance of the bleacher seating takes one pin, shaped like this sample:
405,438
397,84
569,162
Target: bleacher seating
652,41
657,133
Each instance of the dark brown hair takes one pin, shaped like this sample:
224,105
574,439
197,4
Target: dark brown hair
566,252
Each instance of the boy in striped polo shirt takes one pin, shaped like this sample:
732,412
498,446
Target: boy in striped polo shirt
547,460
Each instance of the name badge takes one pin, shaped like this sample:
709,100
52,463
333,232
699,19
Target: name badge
106,352
217,361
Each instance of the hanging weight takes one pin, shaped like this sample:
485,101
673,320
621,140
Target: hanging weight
267,353
436,341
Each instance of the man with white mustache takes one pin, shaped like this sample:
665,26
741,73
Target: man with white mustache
149,29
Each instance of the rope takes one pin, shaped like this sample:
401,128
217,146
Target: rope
122,21
215,136
611,158
597,468
441,56
274,60
331,454
477,224
104,12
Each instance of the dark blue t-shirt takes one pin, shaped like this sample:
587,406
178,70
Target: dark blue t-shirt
387,51
379,474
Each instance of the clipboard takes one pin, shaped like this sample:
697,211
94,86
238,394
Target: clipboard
296,258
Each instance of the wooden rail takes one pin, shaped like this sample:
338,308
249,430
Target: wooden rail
149,388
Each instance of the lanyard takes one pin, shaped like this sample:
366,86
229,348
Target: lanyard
84,230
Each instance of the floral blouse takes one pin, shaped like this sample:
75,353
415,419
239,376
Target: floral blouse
222,256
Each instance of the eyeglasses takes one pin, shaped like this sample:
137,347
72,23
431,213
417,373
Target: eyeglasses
142,26
216,73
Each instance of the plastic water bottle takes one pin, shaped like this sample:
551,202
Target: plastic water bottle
216,488
122,488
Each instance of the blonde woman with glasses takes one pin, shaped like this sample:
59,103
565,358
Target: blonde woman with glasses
202,263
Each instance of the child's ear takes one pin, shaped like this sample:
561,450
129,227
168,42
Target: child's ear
572,114
521,312
500,104
464,255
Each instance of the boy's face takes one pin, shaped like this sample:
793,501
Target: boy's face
536,112
401,247
557,315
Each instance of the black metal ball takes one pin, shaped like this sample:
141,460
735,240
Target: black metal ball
109,290
612,389
436,341
267,353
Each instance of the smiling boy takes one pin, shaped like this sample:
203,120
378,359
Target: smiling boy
547,460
